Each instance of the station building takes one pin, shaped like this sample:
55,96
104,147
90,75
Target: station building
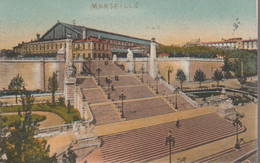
87,42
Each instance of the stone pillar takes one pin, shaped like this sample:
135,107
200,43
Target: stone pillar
152,58
42,75
80,64
70,80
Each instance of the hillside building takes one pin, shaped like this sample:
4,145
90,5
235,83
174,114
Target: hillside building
233,43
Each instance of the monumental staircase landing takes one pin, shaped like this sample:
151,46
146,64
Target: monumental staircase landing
146,144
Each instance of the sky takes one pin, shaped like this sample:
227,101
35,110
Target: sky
169,21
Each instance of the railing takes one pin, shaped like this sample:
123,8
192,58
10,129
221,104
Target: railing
26,58
202,89
35,95
135,59
55,130
194,103
174,59
189,58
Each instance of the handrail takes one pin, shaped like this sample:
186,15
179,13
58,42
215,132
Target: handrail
194,103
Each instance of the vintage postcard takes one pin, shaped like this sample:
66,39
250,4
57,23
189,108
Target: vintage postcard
128,81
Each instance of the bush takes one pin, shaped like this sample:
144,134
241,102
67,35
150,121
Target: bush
76,118
8,120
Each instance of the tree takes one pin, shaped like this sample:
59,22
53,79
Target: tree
218,76
70,156
199,76
20,143
181,76
16,85
53,85
226,68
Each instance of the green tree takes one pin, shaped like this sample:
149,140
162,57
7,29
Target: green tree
3,132
218,76
70,157
20,143
16,85
181,76
226,68
53,85
199,76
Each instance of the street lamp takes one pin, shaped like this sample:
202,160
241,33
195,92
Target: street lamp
171,141
108,81
157,80
89,61
176,91
169,71
237,123
142,69
122,97
98,70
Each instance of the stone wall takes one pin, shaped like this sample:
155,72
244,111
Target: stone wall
207,67
188,65
34,72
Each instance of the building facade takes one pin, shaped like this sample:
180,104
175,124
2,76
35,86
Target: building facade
233,43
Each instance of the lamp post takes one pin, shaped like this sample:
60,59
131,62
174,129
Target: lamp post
108,81
171,141
98,70
169,71
176,91
122,97
89,61
157,80
237,123
142,69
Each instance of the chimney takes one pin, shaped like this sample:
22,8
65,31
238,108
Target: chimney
38,36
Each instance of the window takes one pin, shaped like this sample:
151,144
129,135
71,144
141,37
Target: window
94,46
78,55
84,55
56,46
89,55
51,46
47,46
88,45
83,46
73,56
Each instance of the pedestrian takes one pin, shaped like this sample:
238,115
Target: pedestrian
178,123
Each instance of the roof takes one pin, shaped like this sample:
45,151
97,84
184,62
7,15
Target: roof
164,54
249,40
234,38
217,42
91,32
91,39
